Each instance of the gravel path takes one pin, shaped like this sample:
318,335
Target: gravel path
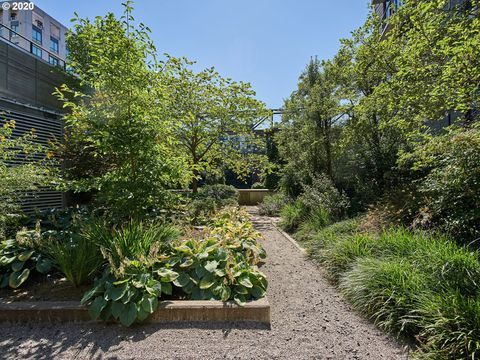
309,321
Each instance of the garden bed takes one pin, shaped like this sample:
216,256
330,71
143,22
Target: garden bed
53,299
129,272
171,311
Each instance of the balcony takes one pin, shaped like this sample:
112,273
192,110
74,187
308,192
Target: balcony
16,39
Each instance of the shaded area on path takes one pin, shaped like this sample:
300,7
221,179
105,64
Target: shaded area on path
310,320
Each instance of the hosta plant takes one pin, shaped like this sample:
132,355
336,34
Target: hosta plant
131,298
18,261
209,271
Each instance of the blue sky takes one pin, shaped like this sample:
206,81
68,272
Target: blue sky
264,42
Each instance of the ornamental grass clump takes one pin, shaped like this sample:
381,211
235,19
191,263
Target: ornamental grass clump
78,258
414,284
293,215
134,241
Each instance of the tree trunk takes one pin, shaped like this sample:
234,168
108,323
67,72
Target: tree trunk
328,149
195,182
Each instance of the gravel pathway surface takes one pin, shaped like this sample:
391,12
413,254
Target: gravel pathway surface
310,320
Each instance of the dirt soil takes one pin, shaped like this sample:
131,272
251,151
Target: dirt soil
310,320
50,288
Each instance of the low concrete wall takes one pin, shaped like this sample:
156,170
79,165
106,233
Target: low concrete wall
174,311
252,196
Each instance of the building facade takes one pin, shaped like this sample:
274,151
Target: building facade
32,65
386,8
35,31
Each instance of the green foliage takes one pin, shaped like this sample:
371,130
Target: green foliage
132,298
317,218
386,291
214,128
211,270
323,197
78,258
223,195
449,324
60,220
24,166
451,190
293,214
308,134
384,98
208,200
20,258
134,241
410,283
126,138
222,265
318,205
272,205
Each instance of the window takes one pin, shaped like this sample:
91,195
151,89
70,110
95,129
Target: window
36,34
14,26
55,31
13,16
35,50
53,44
53,60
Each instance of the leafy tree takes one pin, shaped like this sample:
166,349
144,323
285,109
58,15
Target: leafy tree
214,123
369,145
438,69
121,125
308,133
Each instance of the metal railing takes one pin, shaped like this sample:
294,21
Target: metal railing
20,41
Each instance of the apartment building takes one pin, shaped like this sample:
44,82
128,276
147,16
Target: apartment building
32,64
386,8
33,30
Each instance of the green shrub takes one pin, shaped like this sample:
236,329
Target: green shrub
322,194
340,256
222,265
208,200
290,182
411,283
451,188
293,215
200,210
317,219
78,258
211,269
272,205
258,185
223,195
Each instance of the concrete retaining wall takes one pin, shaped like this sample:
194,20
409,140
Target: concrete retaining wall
252,196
